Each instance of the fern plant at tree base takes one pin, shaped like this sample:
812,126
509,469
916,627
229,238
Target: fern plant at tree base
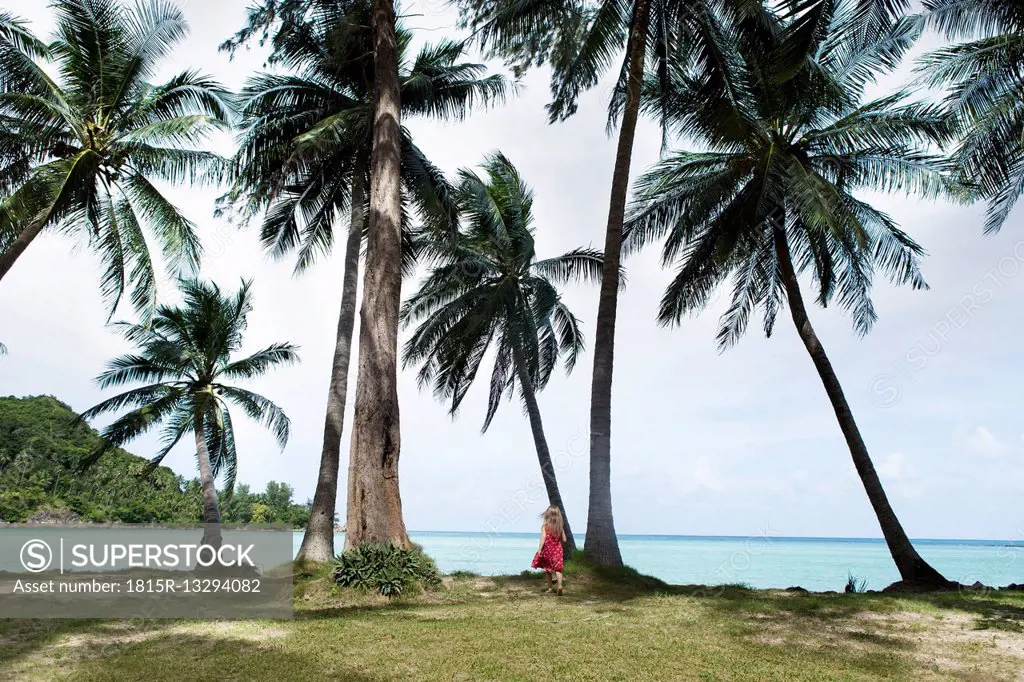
385,568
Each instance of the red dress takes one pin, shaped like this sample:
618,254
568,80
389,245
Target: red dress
549,557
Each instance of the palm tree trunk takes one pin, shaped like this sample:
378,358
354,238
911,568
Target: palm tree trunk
547,470
913,569
318,541
601,545
211,509
18,246
374,499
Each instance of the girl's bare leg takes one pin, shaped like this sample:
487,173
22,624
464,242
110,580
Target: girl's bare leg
548,574
558,575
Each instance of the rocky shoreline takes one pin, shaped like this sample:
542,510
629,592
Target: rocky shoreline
908,588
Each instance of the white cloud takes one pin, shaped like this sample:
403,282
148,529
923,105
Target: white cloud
984,443
897,467
902,477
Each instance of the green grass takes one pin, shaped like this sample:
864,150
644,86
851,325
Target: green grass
610,625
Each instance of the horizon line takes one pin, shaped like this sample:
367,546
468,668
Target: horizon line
731,537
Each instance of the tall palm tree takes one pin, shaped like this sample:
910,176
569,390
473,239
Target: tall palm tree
986,98
773,196
305,153
186,361
374,497
98,135
488,287
581,41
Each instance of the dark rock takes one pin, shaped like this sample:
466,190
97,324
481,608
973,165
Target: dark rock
795,588
920,588
56,515
1014,586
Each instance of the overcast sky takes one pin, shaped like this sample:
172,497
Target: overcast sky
703,443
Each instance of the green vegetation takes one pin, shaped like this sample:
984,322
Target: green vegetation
43,445
86,133
855,584
273,505
985,101
186,361
383,568
504,628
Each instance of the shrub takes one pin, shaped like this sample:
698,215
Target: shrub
855,585
385,568
458,575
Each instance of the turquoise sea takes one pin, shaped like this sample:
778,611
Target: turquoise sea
759,561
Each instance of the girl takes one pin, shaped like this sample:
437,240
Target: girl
549,556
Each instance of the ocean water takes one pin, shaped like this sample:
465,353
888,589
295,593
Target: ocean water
764,561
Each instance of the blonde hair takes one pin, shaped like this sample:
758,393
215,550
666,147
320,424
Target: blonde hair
553,521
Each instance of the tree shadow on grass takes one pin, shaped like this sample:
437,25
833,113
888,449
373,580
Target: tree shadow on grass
21,637
991,604
846,617
188,657
357,610
584,582
105,650
995,609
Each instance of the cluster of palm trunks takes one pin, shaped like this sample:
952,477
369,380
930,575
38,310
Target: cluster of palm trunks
773,92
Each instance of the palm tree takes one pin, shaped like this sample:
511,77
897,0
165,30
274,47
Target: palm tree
18,51
488,287
100,134
773,196
986,98
374,496
305,153
581,41
186,361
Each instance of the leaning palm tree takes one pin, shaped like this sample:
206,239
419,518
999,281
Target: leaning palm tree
774,196
186,361
581,40
487,290
305,153
986,98
97,136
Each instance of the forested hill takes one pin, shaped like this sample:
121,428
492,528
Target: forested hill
42,446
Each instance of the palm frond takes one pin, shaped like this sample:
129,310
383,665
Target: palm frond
486,291
260,362
260,410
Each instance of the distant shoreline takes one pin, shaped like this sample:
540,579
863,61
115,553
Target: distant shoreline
756,536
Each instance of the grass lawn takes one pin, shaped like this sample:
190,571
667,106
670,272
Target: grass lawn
604,628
